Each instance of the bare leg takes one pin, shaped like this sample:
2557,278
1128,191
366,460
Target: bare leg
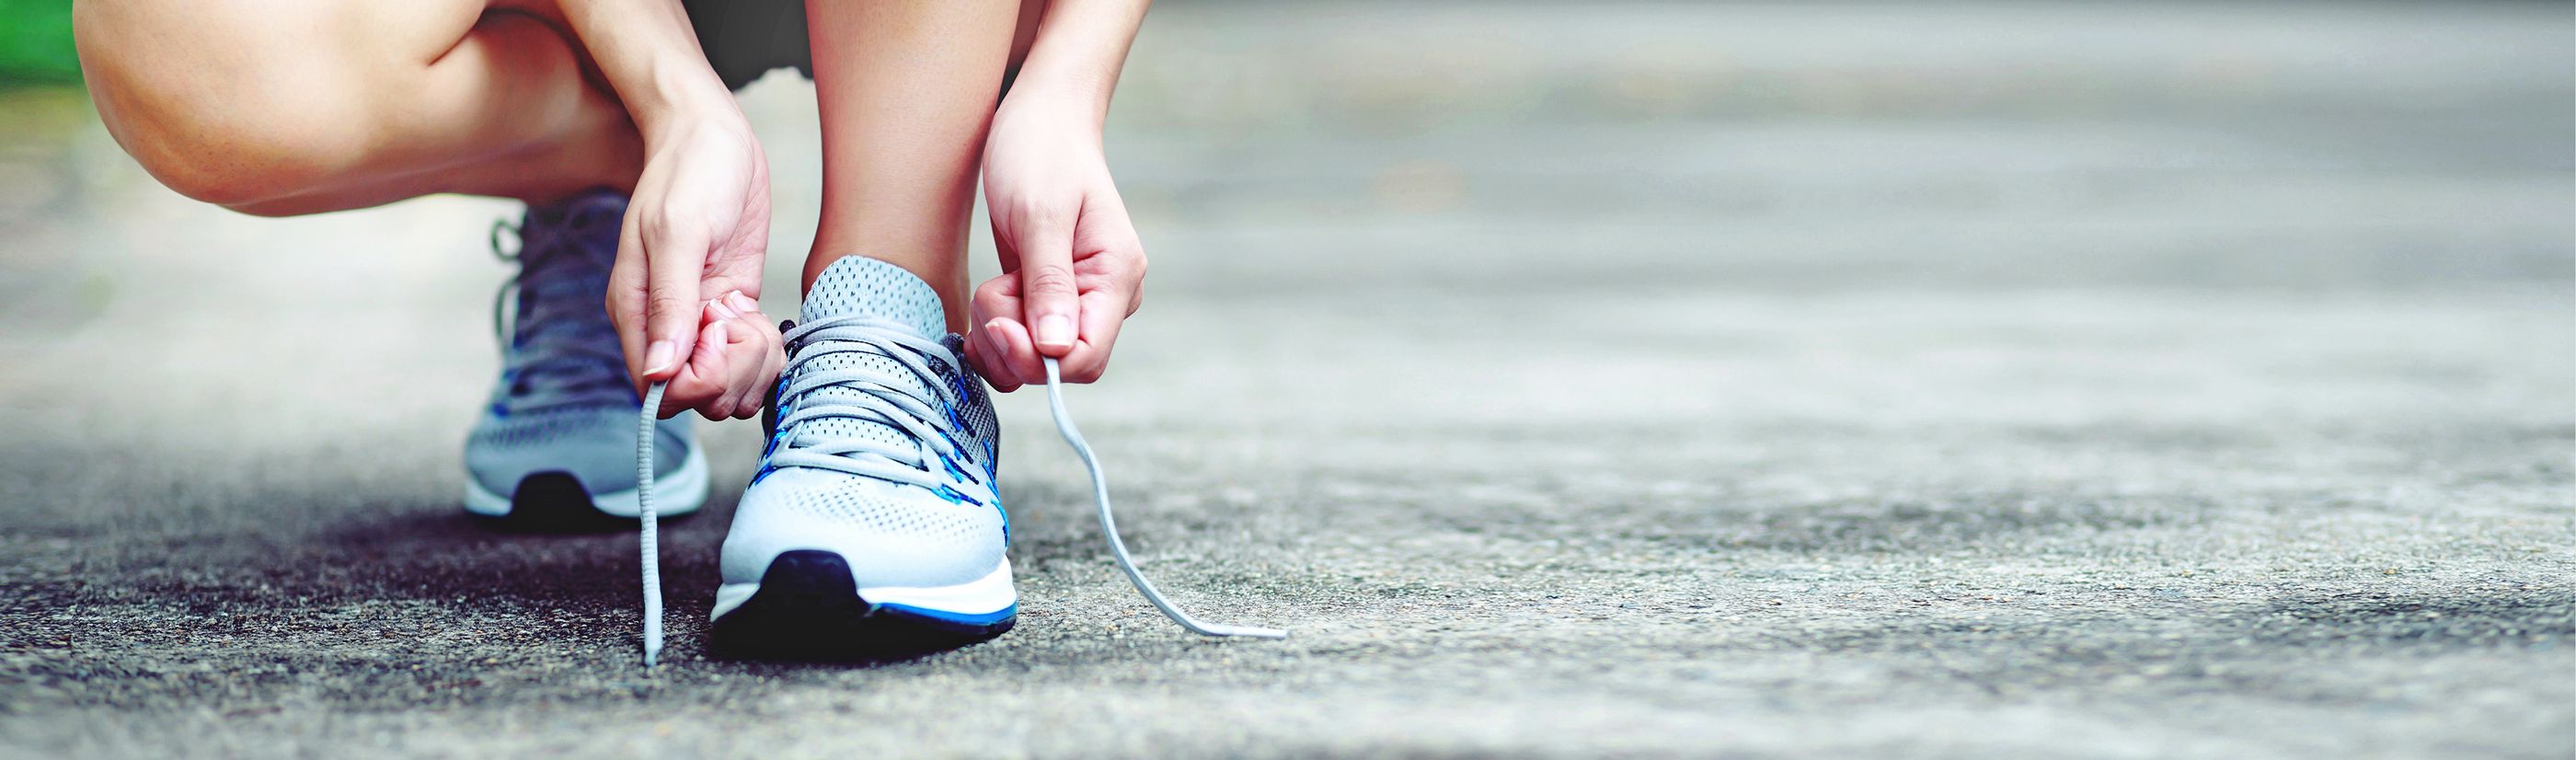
321,105
906,89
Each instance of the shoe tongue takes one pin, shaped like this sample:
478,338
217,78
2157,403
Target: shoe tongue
861,285
565,253
578,233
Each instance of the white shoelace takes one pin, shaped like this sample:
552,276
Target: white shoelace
910,399
1063,426
648,538
1109,526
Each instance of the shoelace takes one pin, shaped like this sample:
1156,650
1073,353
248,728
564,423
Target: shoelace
1109,525
562,359
872,395
1063,426
649,539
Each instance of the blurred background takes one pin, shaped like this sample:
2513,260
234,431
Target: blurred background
1982,378
1665,173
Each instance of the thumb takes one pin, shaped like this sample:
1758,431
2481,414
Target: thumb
1048,298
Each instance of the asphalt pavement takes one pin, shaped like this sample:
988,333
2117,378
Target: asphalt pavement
1985,380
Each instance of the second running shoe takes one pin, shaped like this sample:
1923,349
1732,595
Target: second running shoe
555,447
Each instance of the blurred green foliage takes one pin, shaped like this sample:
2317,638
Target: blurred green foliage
36,43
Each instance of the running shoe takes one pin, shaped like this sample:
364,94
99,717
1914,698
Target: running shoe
873,520
555,448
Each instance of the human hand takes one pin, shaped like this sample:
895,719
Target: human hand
685,291
1072,267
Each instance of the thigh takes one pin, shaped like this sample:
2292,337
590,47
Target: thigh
245,104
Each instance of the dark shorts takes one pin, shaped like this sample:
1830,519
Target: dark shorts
747,38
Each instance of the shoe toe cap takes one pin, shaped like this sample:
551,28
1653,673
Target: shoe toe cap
890,535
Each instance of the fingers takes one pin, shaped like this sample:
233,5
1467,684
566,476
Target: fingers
773,355
736,358
675,260
754,354
992,353
980,354
1008,354
1048,293
1015,353
743,362
1101,317
627,291
700,380
1116,269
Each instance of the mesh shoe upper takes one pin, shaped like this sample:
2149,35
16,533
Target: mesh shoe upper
563,402
885,447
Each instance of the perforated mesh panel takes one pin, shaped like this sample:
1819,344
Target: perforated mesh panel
855,284
596,444
527,430
888,510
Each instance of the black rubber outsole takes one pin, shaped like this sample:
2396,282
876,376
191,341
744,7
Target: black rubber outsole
556,502
809,608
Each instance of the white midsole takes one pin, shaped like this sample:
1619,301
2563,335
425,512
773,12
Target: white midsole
679,493
982,596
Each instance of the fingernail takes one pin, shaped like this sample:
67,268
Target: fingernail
723,310
743,303
1055,330
658,357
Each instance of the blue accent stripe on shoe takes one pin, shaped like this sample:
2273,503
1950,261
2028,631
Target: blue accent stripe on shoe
987,618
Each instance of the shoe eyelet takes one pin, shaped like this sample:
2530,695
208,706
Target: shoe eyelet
519,243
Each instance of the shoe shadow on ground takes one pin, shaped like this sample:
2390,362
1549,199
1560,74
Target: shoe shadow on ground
590,568
880,648
439,553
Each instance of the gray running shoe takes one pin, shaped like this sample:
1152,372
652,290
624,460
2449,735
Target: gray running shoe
556,446
874,519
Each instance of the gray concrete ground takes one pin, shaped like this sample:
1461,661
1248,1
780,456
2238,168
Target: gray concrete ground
2093,380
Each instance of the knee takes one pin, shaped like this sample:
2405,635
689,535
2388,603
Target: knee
212,104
